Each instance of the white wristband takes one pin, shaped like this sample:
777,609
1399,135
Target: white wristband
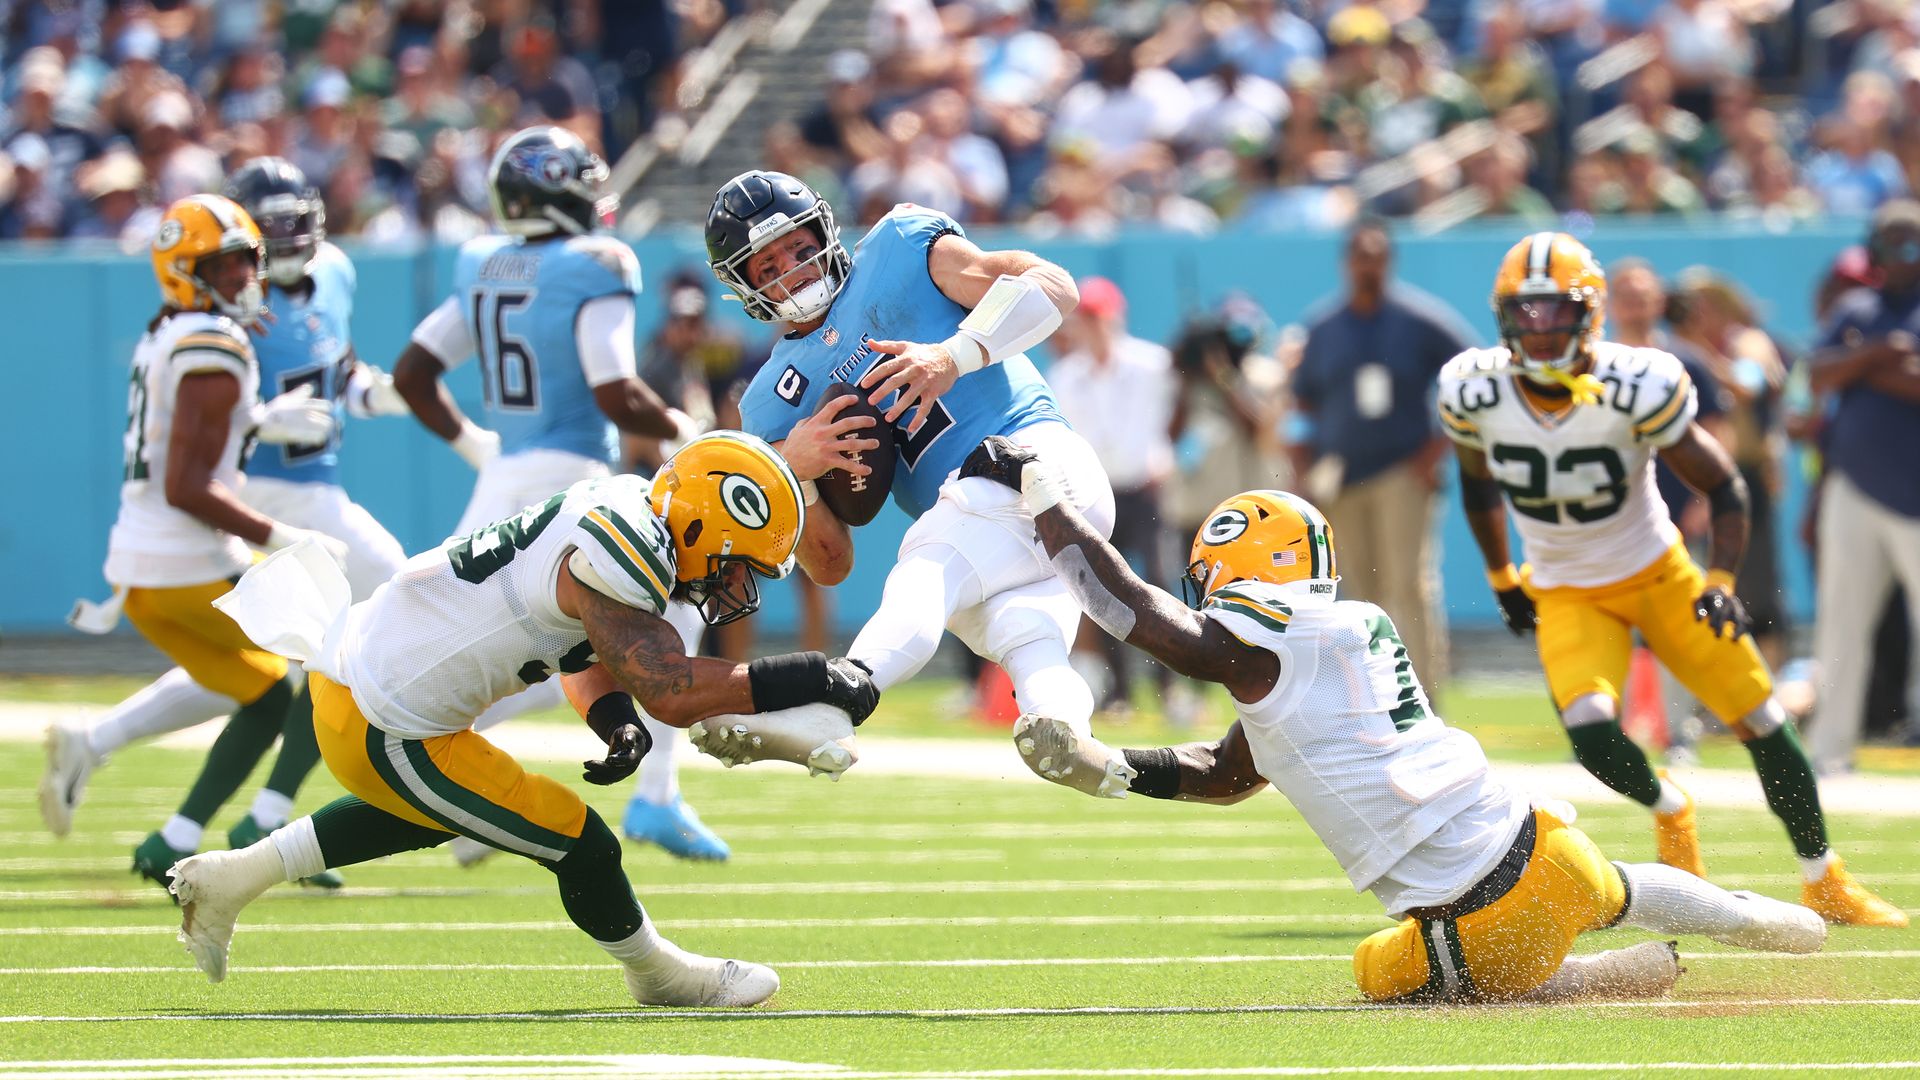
283,535
1043,488
809,492
969,355
475,444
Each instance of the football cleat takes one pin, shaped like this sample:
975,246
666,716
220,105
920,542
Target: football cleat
1056,752
70,761
672,976
248,833
1676,837
211,889
819,736
154,858
675,827
1840,899
1776,926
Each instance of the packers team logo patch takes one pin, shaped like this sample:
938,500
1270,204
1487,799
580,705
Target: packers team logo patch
745,502
1224,527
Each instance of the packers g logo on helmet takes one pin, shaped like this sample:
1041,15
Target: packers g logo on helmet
735,513
1270,536
197,228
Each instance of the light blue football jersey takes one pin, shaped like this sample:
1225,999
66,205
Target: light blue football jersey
307,343
521,300
889,296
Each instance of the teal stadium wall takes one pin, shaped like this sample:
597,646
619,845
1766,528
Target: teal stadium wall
72,319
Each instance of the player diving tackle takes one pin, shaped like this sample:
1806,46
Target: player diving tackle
581,585
1490,889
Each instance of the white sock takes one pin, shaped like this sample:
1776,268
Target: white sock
1671,901
922,593
541,695
637,947
271,809
182,834
659,780
299,848
1642,970
1671,801
172,702
1814,869
1045,683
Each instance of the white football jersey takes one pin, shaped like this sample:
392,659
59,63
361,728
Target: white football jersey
1405,804
154,544
476,620
1580,482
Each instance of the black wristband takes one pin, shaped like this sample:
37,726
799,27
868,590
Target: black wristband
1729,497
610,712
1158,772
1479,493
787,680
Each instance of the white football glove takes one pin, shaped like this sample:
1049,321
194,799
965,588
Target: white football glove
689,430
285,535
295,417
476,445
370,393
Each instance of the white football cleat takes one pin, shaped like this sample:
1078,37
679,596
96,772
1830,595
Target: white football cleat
673,976
469,853
1646,970
1056,752
817,736
70,760
1777,926
212,888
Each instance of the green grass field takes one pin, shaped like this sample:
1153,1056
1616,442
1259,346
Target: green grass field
921,927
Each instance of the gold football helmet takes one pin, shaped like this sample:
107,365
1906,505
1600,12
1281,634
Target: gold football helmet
1272,536
196,228
1550,298
735,512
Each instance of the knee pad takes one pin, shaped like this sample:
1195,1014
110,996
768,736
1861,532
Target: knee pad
1770,717
594,852
1590,709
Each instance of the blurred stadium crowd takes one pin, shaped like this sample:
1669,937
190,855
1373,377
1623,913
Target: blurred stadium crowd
1077,115
115,108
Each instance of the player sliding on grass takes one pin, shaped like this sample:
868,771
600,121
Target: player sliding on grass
1490,891
579,584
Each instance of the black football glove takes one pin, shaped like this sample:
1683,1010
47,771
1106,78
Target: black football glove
1516,610
628,744
850,687
1721,609
999,459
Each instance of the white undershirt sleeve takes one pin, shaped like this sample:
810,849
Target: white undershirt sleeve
603,332
445,334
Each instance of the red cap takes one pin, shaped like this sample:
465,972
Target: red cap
1101,298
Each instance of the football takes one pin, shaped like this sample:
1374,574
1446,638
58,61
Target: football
857,499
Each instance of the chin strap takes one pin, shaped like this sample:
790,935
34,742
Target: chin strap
1586,389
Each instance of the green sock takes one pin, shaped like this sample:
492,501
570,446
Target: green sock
1787,778
242,743
594,889
353,831
299,751
1615,760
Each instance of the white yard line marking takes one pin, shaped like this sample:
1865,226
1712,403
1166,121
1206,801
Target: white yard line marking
741,1016
960,962
878,922
703,1066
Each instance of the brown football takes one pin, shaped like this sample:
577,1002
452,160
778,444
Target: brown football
856,500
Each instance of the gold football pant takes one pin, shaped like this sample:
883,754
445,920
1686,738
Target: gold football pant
1586,639
1511,945
183,623
457,783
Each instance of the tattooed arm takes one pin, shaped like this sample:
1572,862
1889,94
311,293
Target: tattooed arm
1124,606
645,655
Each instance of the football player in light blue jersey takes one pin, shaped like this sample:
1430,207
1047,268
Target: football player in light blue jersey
304,341
547,309
937,329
